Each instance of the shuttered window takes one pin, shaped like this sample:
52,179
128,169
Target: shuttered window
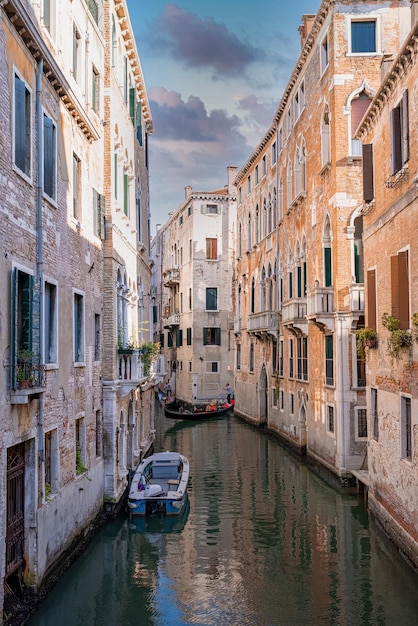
211,336
399,134
99,214
371,299
368,178
22,126
400,288
189,336
211,299
329,360
179,337
49,164
211,249
327,267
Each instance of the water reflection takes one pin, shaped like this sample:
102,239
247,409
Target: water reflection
264,542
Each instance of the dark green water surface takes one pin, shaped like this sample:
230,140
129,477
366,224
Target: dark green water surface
263,542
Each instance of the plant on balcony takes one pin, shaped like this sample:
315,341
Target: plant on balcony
365,337
399,338
24,371
148,352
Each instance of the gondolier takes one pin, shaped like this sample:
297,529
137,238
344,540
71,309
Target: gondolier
228,389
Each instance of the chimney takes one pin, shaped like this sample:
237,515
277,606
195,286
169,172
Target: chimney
187,191
304,29
232,171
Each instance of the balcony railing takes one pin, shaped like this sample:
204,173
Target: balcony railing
294,314
171,277
320,300
357,297
130,367
172,320
263,322
28,377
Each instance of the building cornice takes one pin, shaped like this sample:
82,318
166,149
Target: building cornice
308,45
25,25
133,58
405,60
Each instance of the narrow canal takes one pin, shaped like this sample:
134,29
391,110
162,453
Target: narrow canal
263,542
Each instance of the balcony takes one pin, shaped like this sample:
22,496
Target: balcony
130,370
263,324
28,377
321,307
172,320
171,277
294,315
357,298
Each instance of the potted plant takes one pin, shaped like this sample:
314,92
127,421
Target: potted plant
399,338
365,337
24,370
148,351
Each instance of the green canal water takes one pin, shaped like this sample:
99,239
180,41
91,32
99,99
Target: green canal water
263,542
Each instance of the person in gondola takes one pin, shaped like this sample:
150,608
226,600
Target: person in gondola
228,389
168,390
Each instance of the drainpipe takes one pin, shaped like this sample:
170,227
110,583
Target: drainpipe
39,233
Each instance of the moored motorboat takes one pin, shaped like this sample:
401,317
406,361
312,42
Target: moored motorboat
159,485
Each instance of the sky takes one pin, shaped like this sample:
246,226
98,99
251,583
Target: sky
214,71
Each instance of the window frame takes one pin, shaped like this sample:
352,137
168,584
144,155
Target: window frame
22,128
406,434
358,410
364,19
50,323
79,348
211,299
49,169
212,335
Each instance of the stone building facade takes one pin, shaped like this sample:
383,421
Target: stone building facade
299,282
195,251
390,218
73,250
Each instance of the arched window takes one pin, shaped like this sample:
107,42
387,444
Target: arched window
253,295
240,240
269,217
325,137
249,232
359,102
304,268
289,183
280,284
264,219
256,225
289,275
358,250
269,289
274,211
326,243
263,290
280,199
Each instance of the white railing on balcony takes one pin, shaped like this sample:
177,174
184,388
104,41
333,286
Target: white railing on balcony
130,366
266,321
294,309
357,297
320,301
173,320
237,326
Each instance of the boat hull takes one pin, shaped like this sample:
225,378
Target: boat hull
159,485
195,414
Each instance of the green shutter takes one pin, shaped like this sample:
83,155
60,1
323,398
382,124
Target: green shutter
327,267
132,104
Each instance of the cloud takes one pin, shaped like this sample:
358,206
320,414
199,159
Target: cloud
180,120
258,109
202,43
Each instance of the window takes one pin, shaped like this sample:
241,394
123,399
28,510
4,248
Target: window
97,337
126,193
189,336
363,36
406,428
291,358
281,358
93,7
49,157
211,249
256,175
76,187
281,400
280,139
98,214
299,100
162,340
76,52
114,42
263,166
211,336
329,360
211,367
361,370
248,184
273,153
48,15
274,355
238,348
327,254
22,331
289,183
399,134
330,419
252,358
302,356
51,465
361,423
253,296
368,174
22,135
325,138
291,403
374,413
80,446
359,105
78,328
115,174
324,54
51,323
289,121
99,434
132,105
358,250
399,266
211,299
95,85
190,298
280,199
179,337
239,195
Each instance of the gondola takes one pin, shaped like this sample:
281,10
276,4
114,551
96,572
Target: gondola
197,413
